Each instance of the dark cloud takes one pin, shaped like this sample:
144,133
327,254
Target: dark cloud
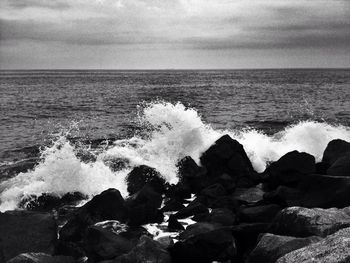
52,4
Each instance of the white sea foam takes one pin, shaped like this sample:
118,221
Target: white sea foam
173,131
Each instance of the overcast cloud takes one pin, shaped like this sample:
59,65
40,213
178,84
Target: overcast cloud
174,33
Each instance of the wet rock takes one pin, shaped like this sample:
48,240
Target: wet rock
289,169
198,228
324,191
110,239
332,249
334,150
40,258
215,245
263,213
147,250
10,170
251,195
25,231
246,235
271,247
304,222
341,167
195,207
228,156
143,207
222,216
228,202
187,169
172,205
179,191
284,196
142,175
109,205
174,225
213,191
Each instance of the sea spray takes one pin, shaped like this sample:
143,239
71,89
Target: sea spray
171,132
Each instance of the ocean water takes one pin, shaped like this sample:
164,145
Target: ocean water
156,118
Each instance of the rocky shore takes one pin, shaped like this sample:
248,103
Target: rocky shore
296,211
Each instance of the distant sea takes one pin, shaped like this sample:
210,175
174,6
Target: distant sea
156,117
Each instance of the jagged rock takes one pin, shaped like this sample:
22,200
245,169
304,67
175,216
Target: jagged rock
284,196
251,195
26,231
143,207
341,167
335,149
289,169
172,205
271,247
187,168
144,175
222,216
109,205
179,191
215,245
228,156
173,224
147,250
332,249
228,202
40,258
263,213
110,239
303,222
195,207
213,191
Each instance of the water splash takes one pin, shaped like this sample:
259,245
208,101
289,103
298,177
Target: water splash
170,132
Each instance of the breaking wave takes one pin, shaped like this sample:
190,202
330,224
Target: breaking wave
170,132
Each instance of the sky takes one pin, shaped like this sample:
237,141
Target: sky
174,34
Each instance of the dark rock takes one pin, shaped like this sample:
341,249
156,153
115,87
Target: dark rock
262,214
213,191
109,205
289,169
187,168
116,164
110,239
142,175
227,182
40,258
179,191
174,225
215,245
228,156
246,236
304,222
284,196
172,205
335,149
222,216
197,229
24,231
341,167
322,167
72,249
332,249
228,202
271,247
147,250
143,207
192,209
251,195
324,191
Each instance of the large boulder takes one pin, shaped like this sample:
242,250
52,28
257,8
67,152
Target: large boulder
110,239
334,150
341,167
215,245
332,249
144,175
271,247
194,208
228,156
40,258
143,207
109,205
222,216
250,195
263,213
289,169
304,222
24,231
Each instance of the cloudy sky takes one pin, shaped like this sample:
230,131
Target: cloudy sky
146,34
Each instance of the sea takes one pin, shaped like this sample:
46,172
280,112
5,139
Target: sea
89,128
